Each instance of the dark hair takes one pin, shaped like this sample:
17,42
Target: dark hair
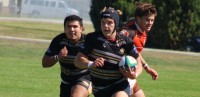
144,9
73,18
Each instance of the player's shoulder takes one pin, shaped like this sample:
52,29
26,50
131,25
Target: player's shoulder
130,24
121,36
93,34
128,28
60,36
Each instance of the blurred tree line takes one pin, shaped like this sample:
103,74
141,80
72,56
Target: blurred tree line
177,20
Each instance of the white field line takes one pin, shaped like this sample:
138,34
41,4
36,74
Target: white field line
58,21
25,39
48,41
172,52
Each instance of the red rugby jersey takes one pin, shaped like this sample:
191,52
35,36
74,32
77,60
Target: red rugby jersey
139,40
138,37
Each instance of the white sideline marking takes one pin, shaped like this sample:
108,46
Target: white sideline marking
173,52
25,39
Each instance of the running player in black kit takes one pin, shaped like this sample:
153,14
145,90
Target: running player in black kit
64,47
101,53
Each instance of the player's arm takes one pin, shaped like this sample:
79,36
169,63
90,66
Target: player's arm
142,61
132,74
49,61
81,61
148,69
139,67
134,53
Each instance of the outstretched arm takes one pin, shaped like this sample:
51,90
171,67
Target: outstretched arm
148,69
139,67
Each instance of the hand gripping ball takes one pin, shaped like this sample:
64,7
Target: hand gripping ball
127,61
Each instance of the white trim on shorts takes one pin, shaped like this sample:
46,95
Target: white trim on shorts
132,83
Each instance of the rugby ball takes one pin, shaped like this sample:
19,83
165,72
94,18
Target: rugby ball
127,61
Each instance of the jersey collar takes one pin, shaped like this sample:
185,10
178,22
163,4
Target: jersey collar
138,27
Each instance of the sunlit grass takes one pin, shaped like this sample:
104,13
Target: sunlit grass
38,30
23,76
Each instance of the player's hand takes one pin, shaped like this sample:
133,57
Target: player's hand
99,62
63,53
129,72
152,72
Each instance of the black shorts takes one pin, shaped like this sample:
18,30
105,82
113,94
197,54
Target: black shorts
110,90
65,88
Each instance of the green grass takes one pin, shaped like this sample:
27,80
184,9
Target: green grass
39,30
22,74
178,75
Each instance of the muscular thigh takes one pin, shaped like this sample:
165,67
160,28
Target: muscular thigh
82,88
120,94
136,87
121,88
76,87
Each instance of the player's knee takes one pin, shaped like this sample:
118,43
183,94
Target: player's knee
120,94
79,91
139,93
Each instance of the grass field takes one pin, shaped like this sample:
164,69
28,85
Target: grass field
23,76
39,30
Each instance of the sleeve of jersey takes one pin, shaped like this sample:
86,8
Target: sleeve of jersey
132,49
87,46
52,49
138,44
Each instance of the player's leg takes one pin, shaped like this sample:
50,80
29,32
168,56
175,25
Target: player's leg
118,89
137,91
65,90
82,89
120,94
123,92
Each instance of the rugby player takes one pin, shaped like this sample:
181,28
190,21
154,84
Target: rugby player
137,28
101,52
75,82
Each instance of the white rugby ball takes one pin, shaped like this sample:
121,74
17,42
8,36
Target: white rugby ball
127,61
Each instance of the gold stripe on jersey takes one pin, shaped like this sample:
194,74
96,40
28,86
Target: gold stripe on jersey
112,59
72,72
105,71
109,57
102,76
69,59
107,60
106,53
105,74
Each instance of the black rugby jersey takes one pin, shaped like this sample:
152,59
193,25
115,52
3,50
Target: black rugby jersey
96,45
68,70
